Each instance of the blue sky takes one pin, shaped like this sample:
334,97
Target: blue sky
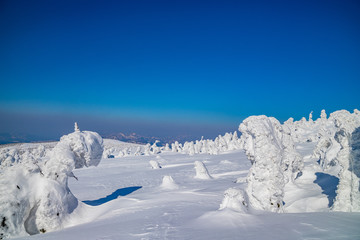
188,62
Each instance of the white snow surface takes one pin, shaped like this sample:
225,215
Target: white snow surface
190,211
308,167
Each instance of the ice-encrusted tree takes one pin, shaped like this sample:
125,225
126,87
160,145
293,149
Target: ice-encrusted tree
34,194
311,116
201,171
274,161
348,136
323,115
76,127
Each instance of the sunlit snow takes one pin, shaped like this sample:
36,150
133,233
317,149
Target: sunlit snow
277,181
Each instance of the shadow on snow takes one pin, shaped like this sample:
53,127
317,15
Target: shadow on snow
114,195
328,184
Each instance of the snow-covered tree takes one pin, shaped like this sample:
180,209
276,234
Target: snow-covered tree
34,194
154,148
201,171
311,116
348,136
147,149
76,127
323,115
167,147
274,161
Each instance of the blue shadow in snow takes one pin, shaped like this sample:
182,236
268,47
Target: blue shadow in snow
114,195
328,184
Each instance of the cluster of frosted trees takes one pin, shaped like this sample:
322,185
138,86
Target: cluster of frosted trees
270,146
14,155
34,193
339,153
228,142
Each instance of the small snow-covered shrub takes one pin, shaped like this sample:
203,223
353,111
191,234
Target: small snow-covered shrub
235,199
34,194
201,171
169,183
154,164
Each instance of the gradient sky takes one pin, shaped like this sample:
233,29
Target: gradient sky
192,63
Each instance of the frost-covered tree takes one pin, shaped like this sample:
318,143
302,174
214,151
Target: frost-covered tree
348,136
34,194
323,115
201,171
138,151
167,147
311,116
154,148
76,127
274,161
147,149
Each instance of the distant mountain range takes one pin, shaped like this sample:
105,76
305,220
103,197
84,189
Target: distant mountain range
136,138
6,138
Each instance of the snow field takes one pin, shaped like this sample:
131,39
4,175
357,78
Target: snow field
302,171
190,211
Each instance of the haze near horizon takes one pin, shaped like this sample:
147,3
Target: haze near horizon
173,68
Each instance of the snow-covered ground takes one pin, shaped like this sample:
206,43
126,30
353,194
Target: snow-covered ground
123,198
297,180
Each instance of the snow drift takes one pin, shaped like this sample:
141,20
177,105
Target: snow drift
201,171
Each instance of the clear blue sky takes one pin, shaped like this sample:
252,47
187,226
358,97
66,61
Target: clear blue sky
203,62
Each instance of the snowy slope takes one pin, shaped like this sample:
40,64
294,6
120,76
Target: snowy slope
191,210
297,180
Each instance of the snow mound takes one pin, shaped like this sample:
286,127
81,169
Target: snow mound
235,199
115,148
34,193
168,183
201,171
154,164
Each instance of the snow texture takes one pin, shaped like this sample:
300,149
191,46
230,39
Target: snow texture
308,169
